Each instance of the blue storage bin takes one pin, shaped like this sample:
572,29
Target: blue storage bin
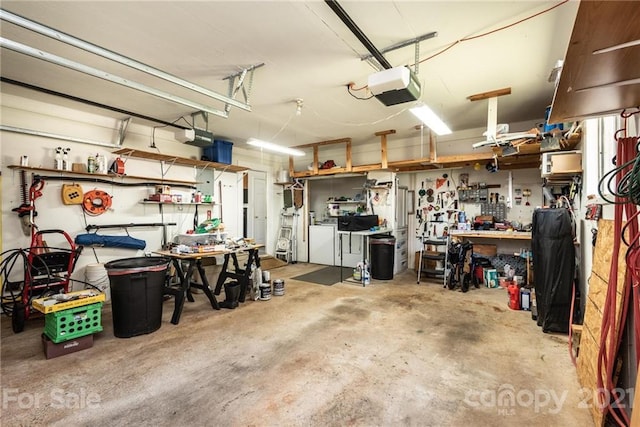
219,152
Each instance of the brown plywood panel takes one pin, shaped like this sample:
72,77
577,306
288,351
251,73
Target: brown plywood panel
603,252
598,25
587,365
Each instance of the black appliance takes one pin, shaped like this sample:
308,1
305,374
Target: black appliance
357,222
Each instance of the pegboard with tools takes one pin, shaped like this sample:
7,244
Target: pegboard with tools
437,207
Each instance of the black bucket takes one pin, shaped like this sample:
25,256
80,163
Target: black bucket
137,288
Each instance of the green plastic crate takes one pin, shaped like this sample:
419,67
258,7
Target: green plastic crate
75,322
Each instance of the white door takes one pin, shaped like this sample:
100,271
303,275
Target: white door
257,209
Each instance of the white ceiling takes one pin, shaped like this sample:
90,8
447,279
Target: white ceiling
308,53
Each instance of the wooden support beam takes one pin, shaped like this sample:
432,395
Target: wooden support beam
329,142
383,145
349,163
291,169
367,168
432,148
315,159
491,94
413,162
460,158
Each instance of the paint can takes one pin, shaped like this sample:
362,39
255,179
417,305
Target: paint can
266,276
278,288
265,291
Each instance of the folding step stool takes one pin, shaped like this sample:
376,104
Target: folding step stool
286,238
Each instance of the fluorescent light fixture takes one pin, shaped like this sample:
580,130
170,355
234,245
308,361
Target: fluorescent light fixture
274,147
430,119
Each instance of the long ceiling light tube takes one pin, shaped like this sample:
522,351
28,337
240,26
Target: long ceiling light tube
54,59
274,147
429,118
113,56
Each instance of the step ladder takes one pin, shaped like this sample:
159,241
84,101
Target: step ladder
286,241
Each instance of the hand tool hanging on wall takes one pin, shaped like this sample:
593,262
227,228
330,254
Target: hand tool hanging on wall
25,208
429,195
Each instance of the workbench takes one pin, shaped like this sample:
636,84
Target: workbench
490,234
498,235
194,261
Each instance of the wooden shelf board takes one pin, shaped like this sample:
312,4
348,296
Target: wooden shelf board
182,161
588,83
153,202
71,174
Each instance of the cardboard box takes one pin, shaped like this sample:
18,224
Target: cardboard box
52,349
491,277
561,162
566,162
164,198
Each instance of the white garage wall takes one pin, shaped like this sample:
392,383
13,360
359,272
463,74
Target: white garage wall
126,208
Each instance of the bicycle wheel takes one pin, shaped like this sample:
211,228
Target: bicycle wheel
451,280
466,280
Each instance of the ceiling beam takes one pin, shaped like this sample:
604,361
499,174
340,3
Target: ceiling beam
491,94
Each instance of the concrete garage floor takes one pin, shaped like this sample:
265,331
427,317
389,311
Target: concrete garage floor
393,353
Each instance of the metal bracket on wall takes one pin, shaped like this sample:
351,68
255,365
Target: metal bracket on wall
234,86
122,133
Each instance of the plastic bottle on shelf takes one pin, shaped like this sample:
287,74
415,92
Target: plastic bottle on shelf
66,165
58,159
101,163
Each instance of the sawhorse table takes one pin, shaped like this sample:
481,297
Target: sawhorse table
242,275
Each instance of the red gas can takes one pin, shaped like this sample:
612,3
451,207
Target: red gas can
514,296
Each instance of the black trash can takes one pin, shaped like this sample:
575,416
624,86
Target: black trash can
383,248
137,288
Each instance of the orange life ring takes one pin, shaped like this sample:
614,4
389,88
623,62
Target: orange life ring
96,202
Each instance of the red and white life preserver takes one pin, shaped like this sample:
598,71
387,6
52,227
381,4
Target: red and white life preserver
96,202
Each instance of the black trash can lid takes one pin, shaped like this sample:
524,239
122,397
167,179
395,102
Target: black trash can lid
381,238
136,265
